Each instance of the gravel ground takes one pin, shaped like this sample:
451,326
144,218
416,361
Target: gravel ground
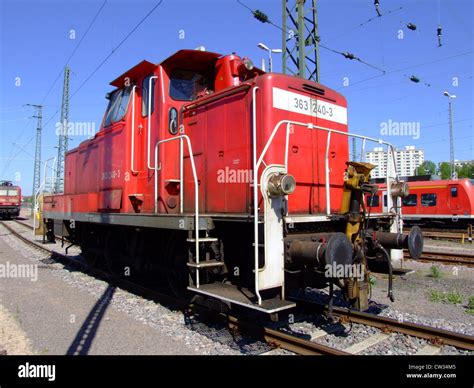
13,340
412,303
188,332
413,294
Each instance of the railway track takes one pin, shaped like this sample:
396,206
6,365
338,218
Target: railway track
445,258
273,336
447,235
465,235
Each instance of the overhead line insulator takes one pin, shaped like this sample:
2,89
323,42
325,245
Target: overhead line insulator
260,16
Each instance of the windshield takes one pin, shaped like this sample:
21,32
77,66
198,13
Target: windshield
187,85
117,106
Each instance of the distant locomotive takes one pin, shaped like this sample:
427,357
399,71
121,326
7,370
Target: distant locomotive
166,187
10,200
446,203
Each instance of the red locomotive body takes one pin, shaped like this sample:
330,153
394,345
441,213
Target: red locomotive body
447,203
10,200
201,128
100,177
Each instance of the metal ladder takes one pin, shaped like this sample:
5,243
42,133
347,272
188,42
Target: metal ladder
195,263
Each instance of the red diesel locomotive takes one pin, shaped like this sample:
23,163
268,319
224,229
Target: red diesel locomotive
10,200
166,187
447,203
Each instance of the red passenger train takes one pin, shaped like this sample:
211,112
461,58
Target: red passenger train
166,187
446,203
10,200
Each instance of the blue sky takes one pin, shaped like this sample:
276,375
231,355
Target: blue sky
35,43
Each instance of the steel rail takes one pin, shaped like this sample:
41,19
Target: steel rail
434,335
445,258
284,340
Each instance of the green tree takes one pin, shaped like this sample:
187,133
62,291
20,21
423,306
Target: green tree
445,170
466,171
426,168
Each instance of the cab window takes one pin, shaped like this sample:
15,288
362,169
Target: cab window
117,106
410,200
372,200
454,192
3,192
146,93
13,192
187,85
428,199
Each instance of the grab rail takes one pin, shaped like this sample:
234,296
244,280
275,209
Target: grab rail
132,146
329,131
257,163
196,188
149,123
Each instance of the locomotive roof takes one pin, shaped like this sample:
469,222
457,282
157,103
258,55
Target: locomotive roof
199,60
8,184
133,73
186,58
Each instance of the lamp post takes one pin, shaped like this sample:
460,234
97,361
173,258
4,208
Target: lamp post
270,51
451,138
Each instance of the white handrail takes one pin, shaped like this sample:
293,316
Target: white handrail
132,150
255,193
326,167
181,173
257,164
196,190
149,123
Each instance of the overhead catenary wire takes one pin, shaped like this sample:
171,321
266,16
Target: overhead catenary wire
262,17
75,49
388,72
107,57
96,69
57,78
112,52
10,157
364,23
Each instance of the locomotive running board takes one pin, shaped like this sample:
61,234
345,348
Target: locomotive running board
232,294
146,220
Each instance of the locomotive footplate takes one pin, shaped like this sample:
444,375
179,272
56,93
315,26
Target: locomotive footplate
242,297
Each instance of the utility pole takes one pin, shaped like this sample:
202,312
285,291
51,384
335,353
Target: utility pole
354,149
451,135
37,164
451,141
300,39
63,135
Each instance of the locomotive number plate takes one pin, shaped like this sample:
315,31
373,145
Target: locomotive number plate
299,103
